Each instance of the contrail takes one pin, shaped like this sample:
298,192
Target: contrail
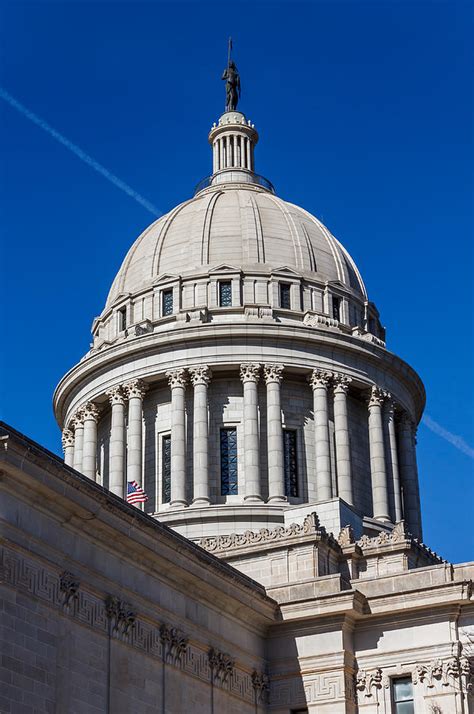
79,152
457,441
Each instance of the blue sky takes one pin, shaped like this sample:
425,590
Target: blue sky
365,113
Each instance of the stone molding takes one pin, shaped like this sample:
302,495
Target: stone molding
67,438
333,688
398,536
116,395
90,412
250,372
273,373
136,388
319,379
341,383
221,664
177,378
200,375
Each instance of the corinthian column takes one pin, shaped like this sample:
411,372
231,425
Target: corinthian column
89,449
135,391
341,432
393,460
200,378
276,476
319,382
68,446
377,455
117,441
249,374
78,420
177,380
409,475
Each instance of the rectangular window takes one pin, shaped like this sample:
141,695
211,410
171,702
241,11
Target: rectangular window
166,302
285,296
402,693
166,468
229,485
290,463
225,293
336,308
122,313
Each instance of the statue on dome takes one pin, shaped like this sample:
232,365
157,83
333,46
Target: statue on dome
232,85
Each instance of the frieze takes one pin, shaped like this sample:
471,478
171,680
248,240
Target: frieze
315,690
444,672
398,536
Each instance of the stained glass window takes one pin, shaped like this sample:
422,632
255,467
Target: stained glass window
167,302
290,463
402,690
225,293
229,485
166,468
285,297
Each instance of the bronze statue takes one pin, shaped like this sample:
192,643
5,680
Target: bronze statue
232,85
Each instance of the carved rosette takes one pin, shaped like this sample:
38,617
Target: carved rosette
261,685
377,397
116,395
319,379
200,375
120,615
67,438
341,383
68,587
221,664
90,412
273,373
174,643
135,389
177,378
249,372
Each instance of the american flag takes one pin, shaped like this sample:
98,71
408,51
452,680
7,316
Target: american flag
135,493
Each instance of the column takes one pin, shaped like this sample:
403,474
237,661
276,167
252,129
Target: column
409,474
200,378
276,475
378,467
249,374
341,433
135,391
89,449
177,380
78,420
68,446
117,441
393,459
319,382
249,155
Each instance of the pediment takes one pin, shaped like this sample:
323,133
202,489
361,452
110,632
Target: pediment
225,268
287,271
165,278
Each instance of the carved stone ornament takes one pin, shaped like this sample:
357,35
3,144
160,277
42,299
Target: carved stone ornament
177,377
444,672
116,395
67,438
174,643
221,664
319,379
90,412
68,587
136,388
317,320
368,681
261,685
200,375
341,383
249,372
377,397
346,536
78,418
273,373
120,614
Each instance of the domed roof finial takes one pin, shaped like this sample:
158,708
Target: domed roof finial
232,85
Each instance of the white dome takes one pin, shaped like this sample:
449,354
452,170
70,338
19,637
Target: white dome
239,225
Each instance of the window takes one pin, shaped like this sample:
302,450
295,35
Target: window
290,463
285,299
166,468
336,308
166,302
229,462
225,293
402,693
122,314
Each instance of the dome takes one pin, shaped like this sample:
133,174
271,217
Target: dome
239,225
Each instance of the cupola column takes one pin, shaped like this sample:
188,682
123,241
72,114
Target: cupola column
393,460
378,466
177,379
117,441
68,446
200,378
341,429
273,374
319,382
135,391
249,374
409,474
78,439
89,452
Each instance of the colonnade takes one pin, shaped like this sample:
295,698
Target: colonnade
233,151
391,443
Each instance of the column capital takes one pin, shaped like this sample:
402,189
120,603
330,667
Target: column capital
249,372
319,378
90,412
67,438
377,397
341,383
177,377
116,395
273,373
135,388
78,418
200,375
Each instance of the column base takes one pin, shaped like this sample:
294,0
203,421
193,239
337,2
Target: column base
200,502
178,504
277,499
383,519
253,499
